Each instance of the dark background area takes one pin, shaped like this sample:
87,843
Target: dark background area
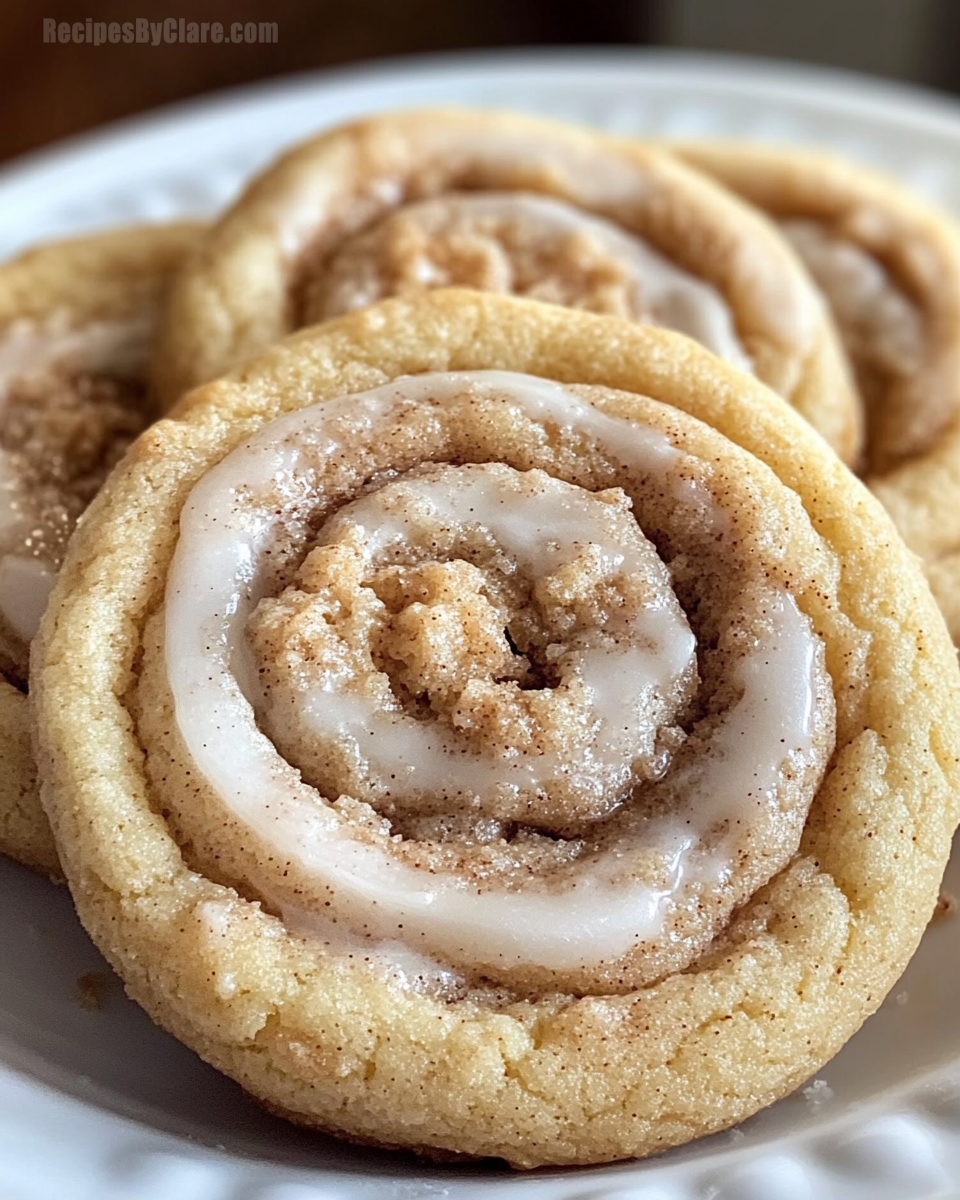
51,91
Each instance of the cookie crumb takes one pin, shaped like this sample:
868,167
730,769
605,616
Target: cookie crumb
946,906
91,987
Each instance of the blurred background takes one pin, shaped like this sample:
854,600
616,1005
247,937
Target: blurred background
50,91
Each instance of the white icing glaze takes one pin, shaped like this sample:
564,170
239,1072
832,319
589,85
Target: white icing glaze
626,668
596,911
28,351
663,292
597,178
887,324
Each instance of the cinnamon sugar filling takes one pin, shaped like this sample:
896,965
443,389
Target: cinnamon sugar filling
522,244
72,401
884,332
538,716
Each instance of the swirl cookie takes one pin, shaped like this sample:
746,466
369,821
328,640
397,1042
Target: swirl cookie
509,204
510,732
76,323
889,266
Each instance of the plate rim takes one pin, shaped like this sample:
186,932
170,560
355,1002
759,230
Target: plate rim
903,105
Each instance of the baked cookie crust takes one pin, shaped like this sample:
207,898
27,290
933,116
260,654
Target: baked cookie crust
76,318
357,214
545,1076
889,265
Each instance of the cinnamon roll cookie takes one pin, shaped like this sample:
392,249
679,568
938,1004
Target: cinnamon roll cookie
401,203
76,323
889,266
496,730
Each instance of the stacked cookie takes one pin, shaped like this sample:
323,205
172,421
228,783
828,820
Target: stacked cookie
486,716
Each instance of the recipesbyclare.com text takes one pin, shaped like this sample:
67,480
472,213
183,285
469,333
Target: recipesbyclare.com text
144,32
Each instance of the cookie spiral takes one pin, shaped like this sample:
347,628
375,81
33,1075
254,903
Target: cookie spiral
402,203
76,325
694,707
889,266
408,713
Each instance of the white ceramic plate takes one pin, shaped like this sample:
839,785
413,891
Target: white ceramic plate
100,1105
